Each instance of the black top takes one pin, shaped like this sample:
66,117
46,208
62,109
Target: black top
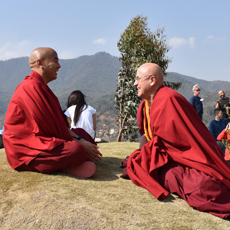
223,104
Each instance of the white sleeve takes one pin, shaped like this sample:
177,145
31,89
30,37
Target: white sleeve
67,113
92,110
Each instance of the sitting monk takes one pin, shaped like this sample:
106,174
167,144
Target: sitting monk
177,152
36,137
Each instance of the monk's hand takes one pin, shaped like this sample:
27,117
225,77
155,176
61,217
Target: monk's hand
91,150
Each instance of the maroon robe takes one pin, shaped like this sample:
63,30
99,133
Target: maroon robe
35,124
181,147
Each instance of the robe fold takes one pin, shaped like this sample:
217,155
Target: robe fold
181,138
34,122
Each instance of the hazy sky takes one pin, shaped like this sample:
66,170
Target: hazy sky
197,30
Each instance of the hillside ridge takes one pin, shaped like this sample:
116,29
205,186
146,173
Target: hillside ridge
95,75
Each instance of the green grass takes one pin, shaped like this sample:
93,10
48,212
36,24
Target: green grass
31,200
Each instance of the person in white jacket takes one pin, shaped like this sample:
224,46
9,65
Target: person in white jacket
79,114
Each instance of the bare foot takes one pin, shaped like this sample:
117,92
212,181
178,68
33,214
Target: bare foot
86,169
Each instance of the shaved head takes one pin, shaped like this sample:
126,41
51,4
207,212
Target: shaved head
153,69
45,61
40,53
149,79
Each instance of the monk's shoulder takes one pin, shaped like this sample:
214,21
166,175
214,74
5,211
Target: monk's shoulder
168,95
167,92
25,89
29,84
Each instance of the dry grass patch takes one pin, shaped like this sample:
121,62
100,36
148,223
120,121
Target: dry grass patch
38,201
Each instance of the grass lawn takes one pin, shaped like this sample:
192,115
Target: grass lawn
31,200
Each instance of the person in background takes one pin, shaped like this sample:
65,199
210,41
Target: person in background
224,105
79,114
216,126
225,136
196,101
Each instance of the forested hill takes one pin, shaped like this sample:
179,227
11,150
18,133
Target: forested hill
189,82
95,75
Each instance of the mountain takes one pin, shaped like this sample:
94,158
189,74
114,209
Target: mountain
95,75
12,73
189,82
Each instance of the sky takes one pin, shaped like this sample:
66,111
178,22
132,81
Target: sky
198,31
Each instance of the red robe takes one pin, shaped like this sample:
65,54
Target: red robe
179,137
34,122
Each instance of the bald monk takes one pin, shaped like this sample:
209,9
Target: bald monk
36,137
177,153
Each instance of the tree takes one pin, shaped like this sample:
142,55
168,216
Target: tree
137,45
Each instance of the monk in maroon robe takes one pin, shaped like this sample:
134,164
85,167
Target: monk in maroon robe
36,137
177,152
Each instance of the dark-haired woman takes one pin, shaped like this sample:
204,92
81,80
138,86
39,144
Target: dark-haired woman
79,114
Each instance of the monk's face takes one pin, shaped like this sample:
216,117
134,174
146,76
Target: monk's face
142,82
51,66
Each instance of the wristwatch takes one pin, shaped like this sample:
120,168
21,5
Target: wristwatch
79,138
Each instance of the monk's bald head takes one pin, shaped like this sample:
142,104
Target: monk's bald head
40,53
45,62
153,69
148,80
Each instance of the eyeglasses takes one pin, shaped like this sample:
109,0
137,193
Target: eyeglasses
138,79
197,90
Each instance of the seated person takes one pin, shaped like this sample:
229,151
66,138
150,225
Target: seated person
225,135
177,152
216,126
79,114
36,135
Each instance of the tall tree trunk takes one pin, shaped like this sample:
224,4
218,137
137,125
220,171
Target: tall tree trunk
121,127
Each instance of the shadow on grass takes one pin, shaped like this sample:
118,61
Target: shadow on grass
107,170
169,198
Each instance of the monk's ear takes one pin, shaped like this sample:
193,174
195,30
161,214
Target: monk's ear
152,80
39,63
